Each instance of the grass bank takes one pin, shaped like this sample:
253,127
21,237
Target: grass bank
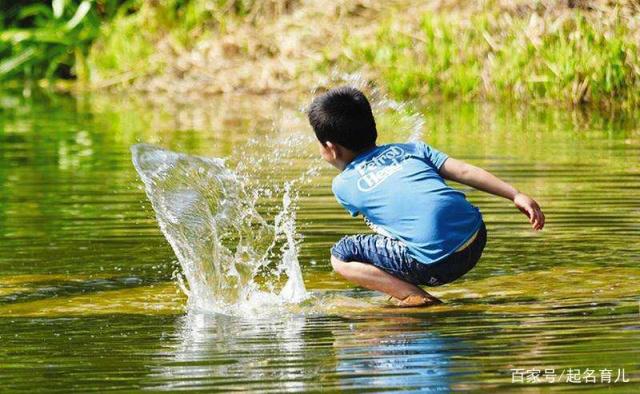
551,53
569,52
210,47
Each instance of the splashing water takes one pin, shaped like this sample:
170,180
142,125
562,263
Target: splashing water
399,116
208,215
233,260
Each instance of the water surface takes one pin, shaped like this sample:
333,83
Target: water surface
88,299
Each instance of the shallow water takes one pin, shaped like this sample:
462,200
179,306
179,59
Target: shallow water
89,300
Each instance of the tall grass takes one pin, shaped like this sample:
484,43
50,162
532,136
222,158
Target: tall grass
573,56
147,41
543,50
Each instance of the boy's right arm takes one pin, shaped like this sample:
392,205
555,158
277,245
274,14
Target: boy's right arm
459,171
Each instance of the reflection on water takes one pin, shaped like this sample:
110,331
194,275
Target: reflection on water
382,357
87,299
296,352
268,351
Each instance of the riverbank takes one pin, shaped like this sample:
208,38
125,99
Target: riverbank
570,53
531,53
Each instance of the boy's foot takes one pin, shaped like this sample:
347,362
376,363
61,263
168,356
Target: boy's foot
416,301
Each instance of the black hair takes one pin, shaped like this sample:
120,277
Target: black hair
343,116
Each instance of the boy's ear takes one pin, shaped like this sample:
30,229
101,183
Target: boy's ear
333,149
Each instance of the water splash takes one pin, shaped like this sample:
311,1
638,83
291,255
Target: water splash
232,259
208,215
392,116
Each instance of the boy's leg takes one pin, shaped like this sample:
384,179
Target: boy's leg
374,278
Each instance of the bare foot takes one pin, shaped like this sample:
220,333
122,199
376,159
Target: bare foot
416,300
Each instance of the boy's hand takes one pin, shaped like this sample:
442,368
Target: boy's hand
530,207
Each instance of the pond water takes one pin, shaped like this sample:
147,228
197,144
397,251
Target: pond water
89,288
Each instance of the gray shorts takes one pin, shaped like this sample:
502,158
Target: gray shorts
391,255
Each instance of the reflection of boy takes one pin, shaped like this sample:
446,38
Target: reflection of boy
427,232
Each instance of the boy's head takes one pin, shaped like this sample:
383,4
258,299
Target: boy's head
343,116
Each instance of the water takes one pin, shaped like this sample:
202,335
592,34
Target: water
89,299
208,214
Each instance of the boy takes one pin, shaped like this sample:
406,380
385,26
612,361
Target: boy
426,232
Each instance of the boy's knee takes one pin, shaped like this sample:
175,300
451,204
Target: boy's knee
338,265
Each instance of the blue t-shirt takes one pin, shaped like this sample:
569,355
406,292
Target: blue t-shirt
398,189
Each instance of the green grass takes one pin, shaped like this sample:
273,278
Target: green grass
97,39
128,45
572,58
466,51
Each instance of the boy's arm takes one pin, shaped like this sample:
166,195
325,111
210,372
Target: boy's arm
459,171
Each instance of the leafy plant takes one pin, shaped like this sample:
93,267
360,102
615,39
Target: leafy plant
45,41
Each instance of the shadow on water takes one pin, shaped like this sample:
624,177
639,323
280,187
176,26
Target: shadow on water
47,288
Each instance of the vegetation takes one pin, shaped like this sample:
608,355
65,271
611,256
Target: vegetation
49,40
580,51
142,43
574,56
174,45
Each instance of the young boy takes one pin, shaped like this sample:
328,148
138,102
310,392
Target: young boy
426,232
